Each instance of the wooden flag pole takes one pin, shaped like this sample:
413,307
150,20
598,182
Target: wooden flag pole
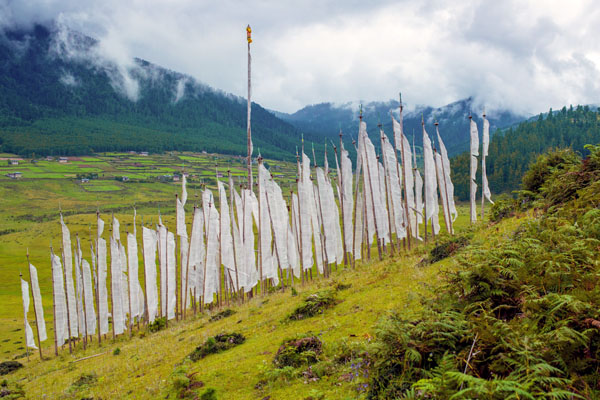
390,205
25,323
249,133
482,175
471,182
53,304
67,300
97,279
449,222
35,311
83,291
167,278
404,172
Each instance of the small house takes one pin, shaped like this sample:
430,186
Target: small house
84,180
144,153
124,178
14,162
14,175
63,160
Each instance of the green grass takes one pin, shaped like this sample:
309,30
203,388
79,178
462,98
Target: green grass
30,223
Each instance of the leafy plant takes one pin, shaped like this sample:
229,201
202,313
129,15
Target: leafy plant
314,304
217,344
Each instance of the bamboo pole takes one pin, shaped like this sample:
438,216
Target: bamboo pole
145,274
167,279
369,177
471,182
53,304
112,295
404,172
232,221
249,132
449,221
341,191
67,300
483,172
35,311
260,258
390,205
97,280
80,271
25,323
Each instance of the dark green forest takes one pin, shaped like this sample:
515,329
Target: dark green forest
56,99
513,151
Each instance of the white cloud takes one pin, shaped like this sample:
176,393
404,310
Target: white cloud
525,55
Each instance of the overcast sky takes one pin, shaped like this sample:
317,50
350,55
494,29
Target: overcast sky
523,55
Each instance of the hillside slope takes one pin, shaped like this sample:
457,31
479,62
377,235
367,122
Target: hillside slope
150,364
60,95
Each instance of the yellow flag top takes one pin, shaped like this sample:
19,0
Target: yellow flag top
249,34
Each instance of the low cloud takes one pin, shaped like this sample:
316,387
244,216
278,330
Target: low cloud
526,56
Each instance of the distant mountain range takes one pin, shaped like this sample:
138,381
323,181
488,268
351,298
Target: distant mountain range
327,119
59,95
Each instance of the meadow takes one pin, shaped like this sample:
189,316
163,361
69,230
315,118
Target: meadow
144,367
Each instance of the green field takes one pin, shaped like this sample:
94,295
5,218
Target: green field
30,210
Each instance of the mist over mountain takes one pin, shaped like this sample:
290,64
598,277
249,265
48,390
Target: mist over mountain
61,94
327,119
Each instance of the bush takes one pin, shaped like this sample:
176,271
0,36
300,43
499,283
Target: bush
314,304
6,367
184,383
446,248
84,380
223,314
217,344
504,207
158,325
209,394
297,352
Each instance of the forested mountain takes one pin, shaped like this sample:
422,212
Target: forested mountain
511,152
326,120
58,95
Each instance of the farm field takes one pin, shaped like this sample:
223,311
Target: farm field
29,210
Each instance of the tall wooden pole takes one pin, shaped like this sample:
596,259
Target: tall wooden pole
25,323
341,190
482,173
425,180
249,133
35,311
145,274
404,172
473,189
447,216
97,280
53,303
80,271
67,301
389,202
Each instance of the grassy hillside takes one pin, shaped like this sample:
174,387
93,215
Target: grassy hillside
150,365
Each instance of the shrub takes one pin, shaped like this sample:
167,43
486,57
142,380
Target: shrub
158,325
314,304
446,248
217,344
6,367
297,352
84,380
504,207
223,314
